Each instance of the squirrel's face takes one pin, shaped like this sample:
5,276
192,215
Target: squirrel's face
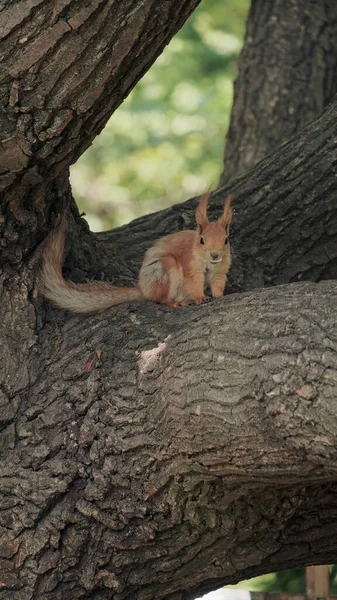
212,238
213,242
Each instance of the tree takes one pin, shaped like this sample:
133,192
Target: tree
287,76
147,452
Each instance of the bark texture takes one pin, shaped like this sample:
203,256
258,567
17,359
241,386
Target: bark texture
196,448
157,453
64,71
287,75
150,453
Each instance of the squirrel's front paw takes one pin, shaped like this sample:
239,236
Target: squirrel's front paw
202,299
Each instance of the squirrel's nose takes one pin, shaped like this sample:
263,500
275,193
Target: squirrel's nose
214,254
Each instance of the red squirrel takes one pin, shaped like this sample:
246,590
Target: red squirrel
175,270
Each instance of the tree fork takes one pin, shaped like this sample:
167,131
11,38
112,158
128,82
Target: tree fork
63,74
152,453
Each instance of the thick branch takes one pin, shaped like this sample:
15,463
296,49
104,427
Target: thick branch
287,76
64,73
180,449
285,216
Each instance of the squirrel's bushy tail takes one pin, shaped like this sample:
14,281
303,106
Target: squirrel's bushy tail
95,296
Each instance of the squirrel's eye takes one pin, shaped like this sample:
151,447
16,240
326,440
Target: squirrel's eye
202,241
226,241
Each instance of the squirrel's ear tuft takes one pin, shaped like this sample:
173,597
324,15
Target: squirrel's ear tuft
226,216
201,212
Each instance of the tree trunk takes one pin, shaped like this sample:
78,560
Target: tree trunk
150,453
287,75
197,448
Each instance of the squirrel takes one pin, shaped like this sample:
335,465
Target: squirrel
175,270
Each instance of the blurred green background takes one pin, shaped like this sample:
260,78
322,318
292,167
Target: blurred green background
286,582
166,142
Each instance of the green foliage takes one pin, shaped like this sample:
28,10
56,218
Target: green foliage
291,581
165,143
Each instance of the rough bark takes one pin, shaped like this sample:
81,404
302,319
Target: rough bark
199,450
156,453
287,75
64,71
152,453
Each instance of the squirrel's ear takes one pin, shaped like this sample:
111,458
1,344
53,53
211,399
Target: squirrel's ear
201,212
226,216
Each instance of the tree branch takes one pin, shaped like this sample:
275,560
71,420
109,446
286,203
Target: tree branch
285,217
168,431
66,72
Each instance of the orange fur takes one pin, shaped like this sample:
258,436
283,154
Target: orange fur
175,270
